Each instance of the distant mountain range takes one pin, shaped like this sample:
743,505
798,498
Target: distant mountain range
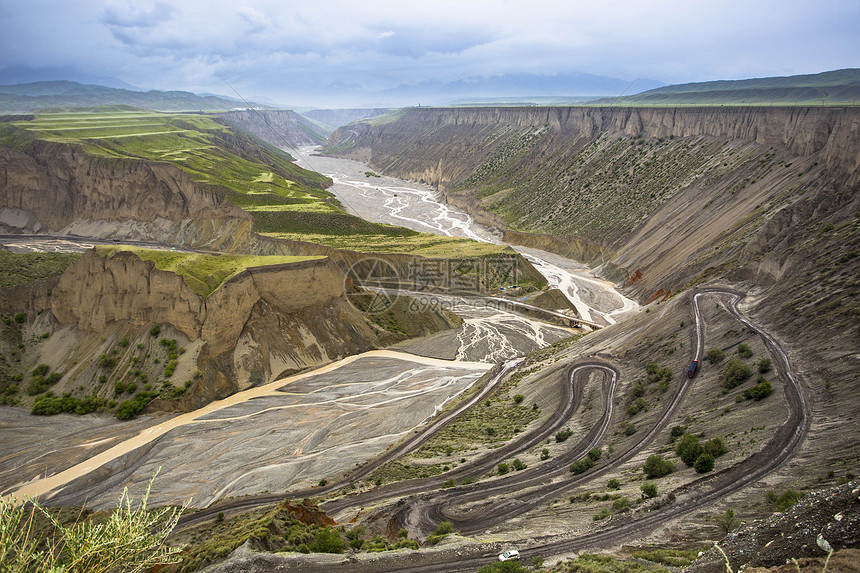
835,87
515,86
63,94
839,87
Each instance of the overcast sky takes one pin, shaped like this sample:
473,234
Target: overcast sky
294,52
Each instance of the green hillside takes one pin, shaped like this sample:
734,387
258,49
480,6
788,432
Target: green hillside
839,87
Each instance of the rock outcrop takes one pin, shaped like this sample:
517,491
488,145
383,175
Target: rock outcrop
281,128
61,189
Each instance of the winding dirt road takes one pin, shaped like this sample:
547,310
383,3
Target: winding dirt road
424,512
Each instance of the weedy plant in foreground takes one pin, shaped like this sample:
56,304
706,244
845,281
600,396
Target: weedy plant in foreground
130,539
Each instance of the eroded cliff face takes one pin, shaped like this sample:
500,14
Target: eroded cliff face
262,323
659,195
61,189
283,128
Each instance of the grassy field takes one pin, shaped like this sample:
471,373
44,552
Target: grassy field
202,273
25,268
285,200
423,244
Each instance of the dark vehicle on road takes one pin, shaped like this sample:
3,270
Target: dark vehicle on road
694,366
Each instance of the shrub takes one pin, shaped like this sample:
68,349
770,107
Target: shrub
603,514
621,504
41,370
688,449
649,490
503,468
562,435
628,429
744,350
155,330
715,355
727,521
518,398
636,406
783,501
544,454
759,391
765,365
734,373
715,447
128,539
581,466
613,484
118,388
444,528
595,454
704,463
518,464
449,483
677,432
20,317
107,362
656,467
328,540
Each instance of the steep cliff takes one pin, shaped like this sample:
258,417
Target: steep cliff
668,192
110,317
63,189
282,128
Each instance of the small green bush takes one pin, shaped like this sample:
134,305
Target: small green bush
704,463
518,398
41,370
715,447
621,504
613,484
581,466
785,500
155,330
562,435
765,365
734,373
636,406
759,391
328,540
715,355
744,350
677,432
20,317
656,467
649,490
503,468
518,465
688,449
544,454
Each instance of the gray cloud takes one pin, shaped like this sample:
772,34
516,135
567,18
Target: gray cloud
301,52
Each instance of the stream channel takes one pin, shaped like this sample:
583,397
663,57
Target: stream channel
294,432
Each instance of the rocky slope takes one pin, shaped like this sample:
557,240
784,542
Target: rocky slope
261,323
282,128
62,189
661,199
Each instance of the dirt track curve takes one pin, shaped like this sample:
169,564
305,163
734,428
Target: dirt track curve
425,511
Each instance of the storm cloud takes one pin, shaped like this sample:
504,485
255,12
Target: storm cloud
311,53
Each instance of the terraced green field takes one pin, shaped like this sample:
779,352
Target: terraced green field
285,200
201,272
422,244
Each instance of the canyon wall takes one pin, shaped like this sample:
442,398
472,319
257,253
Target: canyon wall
282,128
61,189
259,324
655,196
